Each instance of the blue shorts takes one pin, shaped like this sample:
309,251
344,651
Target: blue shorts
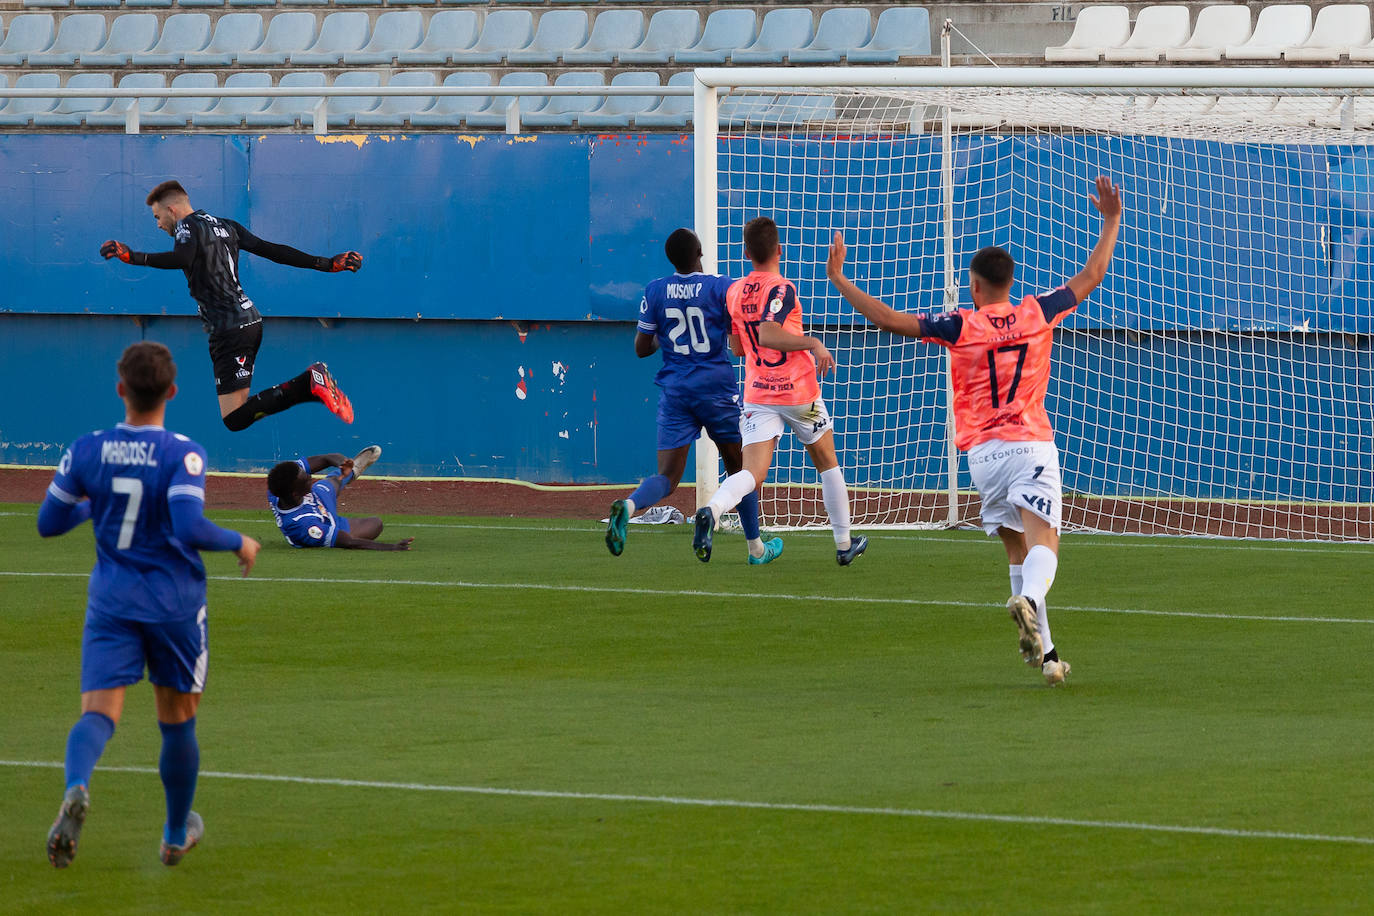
328,495
114,652
681,419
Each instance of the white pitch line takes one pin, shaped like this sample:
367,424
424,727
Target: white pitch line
699,593
797,807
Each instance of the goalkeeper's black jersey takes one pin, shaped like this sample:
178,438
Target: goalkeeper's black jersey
207,249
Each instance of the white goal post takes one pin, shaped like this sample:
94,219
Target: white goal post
1219,382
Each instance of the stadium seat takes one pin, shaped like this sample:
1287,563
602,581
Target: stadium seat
43,4
1338,28
152,4
339,34
1157,29
494,115
285,111
901,31
1216,28
82,32
452,110
613,32
619,110
395,110
117,113
742,110
182,33
29,33
840,30
668,30
19,112
449,31
180,110
200,2
462,2
71,112
783,30
1362,53
558,31
230,112
235,33
130,33
393,32
342,109
1304,111
561,110
304,2
252,2
725,31
1277,28
800,109
502,32
287,33
672,110
1096,29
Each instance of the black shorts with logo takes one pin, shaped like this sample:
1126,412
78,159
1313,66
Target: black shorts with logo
233,353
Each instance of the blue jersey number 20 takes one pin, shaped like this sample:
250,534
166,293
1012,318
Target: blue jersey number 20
694,323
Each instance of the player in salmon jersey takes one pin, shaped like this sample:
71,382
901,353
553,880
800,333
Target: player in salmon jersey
782,367
1000,363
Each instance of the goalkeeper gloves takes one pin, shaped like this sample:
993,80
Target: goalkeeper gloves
349,260
113,249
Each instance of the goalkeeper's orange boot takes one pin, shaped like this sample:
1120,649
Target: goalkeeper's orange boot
326,391
1023,612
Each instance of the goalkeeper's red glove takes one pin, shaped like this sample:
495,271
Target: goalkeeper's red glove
349,260
113,249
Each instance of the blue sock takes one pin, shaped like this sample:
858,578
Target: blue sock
650,491
749,515
85,744
179,764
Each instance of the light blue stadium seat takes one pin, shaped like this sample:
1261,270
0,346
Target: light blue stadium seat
29,33
449,31
668,31
395,110
19,112
493,117
502,32
800,109
462,2
343,108
561,110
252,2
230,112
339,34
159,4
356,3
725,31
200,2
393,32
81,32
782,31
130,33
305,2
70,112
618,110
115,115
235,33
452,110
840,30
43,4
901,31
558,31
287,33
178,111
613,32
88,4
285,111
673,110
182,33
741,110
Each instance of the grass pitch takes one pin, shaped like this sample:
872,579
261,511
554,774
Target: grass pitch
508,719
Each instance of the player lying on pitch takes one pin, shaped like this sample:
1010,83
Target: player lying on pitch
307,511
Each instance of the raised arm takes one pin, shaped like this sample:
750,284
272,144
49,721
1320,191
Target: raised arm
293,257
1108,203
875,310
318,463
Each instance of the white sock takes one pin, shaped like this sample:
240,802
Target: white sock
836,497
756,547
1037,577
731,491
629,507
1015,571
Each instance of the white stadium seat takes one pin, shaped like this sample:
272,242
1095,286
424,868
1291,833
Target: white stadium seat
1096,29
1277,29
1157,29
1338,29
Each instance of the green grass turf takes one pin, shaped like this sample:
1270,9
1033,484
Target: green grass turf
893,684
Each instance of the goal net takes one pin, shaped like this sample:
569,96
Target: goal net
1218,382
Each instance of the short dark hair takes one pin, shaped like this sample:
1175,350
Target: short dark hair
165,190
994,265
683,249
760,239
147,371
281,480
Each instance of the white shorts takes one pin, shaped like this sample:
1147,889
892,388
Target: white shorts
762,422
1011,476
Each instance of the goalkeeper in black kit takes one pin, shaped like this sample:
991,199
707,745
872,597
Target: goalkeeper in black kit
207,250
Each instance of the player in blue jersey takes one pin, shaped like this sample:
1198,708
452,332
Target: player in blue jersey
143,488
307,510
684,317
